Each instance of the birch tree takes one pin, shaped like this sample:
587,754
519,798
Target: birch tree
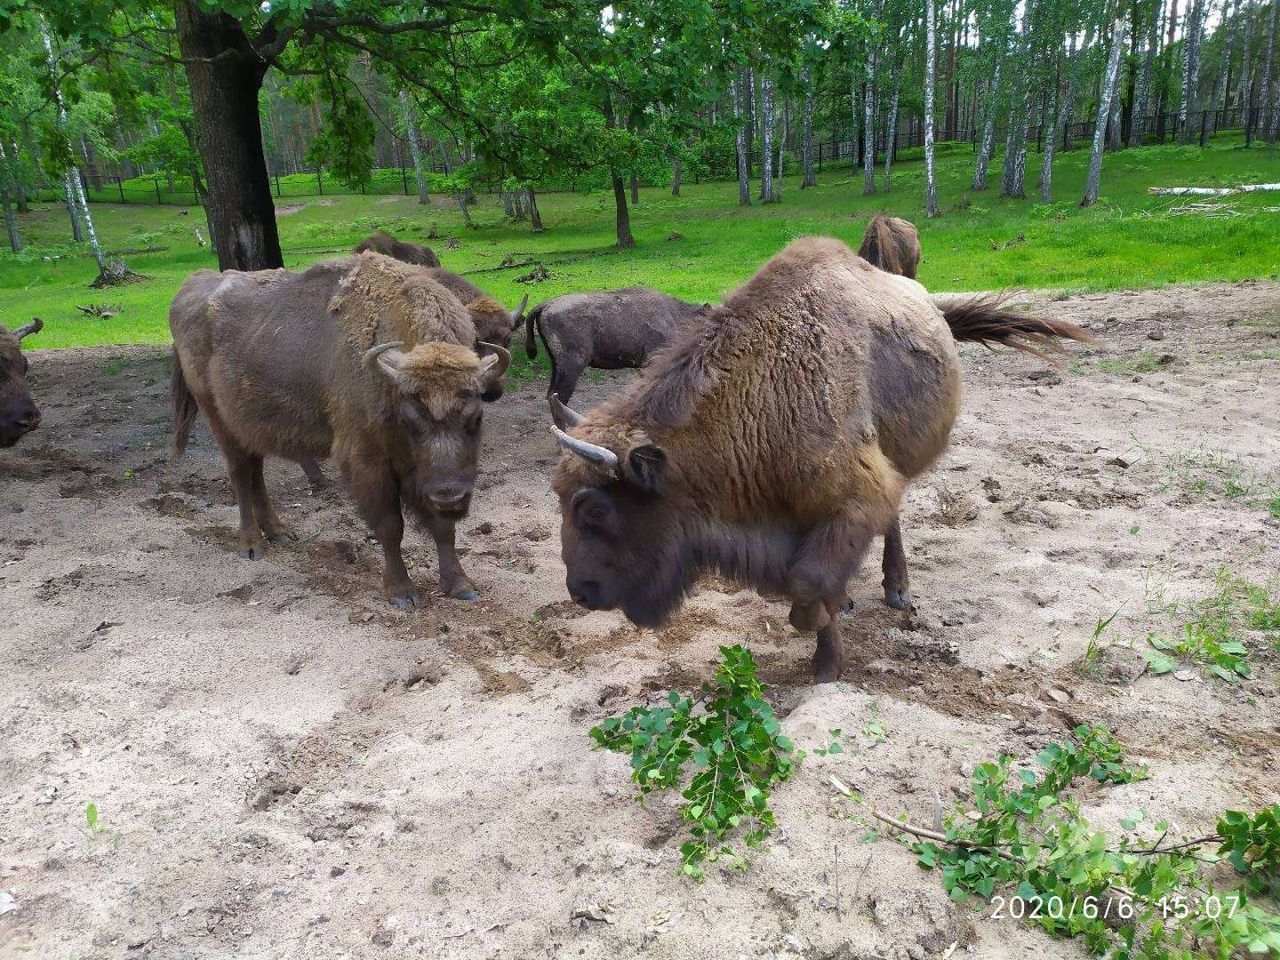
766,140
414,135
930,55
740,140
1190,68
806,130
1142,89
1269,118
891,128
1015,144
1109,83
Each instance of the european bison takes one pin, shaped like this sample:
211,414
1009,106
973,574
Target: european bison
494,323
771,440
384,243
892,244
608,330
18,413
366,357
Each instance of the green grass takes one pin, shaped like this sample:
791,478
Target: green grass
1128,240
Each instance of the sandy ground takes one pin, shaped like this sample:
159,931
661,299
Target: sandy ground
285,767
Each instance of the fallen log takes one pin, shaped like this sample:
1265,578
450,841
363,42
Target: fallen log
1212,191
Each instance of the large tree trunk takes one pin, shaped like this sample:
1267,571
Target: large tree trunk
766,138
225,74
869,125
740,141
1015,143
676,173
77,232
1222,85
535,215
625,239
1063,101
806,130
988,145
1109,83
10,222
930,55
635,189
414,135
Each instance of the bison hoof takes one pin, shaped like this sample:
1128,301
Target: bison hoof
255,552
466,593
898,599
406,601
283,537
847,607
826,672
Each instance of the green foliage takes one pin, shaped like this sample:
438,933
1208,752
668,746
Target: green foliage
1029,845
738,750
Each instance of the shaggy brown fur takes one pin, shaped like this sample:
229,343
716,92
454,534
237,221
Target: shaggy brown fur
278,362
607,330
892,244
770,442
19,414
494,322
384,243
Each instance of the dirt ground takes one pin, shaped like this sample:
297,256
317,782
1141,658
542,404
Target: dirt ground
283,766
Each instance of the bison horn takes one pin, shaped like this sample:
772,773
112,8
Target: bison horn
388,356
592,453
35,326
496,361
518,313
562,415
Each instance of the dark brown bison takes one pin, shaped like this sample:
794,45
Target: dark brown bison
19,414
607,330
366,357
384,243
892,244
494,323
771,440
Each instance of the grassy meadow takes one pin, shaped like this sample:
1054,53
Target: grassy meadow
702,244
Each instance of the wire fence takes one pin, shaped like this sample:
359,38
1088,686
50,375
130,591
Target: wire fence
1156,128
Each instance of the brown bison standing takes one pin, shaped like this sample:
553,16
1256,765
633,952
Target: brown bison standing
609,330
384,243
364,357
18,413
772,440
892,244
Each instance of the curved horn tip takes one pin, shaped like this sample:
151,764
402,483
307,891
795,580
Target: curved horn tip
518,313
562,415
377,350
591,452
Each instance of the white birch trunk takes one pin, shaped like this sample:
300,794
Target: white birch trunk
1094,179
891,131
740,142
806,130
988,145
930,53
415,147
766,140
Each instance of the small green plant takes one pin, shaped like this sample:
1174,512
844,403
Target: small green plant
1144,362
1212,633
1029,852
737,747
1089,662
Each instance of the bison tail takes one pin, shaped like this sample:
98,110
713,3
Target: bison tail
983,319
530,336
185,409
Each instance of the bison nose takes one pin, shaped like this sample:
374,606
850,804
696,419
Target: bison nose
585,593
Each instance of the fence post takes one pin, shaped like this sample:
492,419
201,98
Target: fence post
120,184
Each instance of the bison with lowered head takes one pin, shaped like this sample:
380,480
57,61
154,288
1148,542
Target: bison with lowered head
366,357
18,412
771,440
608,330
384,243
892,244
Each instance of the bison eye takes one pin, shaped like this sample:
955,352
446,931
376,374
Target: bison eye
592,508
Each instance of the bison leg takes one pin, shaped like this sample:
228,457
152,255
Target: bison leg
240,466
268,520
821,568
315,476
565,373
897,585
453,580
828,658
379,503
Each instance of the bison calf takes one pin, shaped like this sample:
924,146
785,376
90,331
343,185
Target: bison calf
18,413
771,440
608,330
366,357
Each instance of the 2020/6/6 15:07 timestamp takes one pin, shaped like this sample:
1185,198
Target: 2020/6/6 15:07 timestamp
1108,908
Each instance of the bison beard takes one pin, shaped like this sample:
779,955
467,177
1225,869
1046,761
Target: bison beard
772,440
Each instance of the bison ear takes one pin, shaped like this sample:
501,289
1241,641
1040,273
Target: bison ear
646,466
